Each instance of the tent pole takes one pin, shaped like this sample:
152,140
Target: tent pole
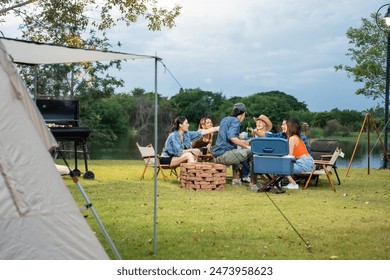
90,206
95,215
155,157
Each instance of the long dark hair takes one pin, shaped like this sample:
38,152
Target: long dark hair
203,120
177,122
293,127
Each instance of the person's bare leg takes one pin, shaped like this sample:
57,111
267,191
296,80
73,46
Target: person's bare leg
185,157
291,180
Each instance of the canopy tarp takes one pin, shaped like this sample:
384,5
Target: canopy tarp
34,53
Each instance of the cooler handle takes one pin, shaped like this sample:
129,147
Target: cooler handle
268,150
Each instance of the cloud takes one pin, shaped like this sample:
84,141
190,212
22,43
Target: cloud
243,47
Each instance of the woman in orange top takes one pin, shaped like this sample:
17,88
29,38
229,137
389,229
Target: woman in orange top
297,148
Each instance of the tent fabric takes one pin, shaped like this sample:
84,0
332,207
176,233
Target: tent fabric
39,218
33,53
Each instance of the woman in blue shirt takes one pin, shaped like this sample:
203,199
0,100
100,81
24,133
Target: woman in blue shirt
177,148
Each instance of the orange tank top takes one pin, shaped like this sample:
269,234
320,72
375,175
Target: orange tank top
300,150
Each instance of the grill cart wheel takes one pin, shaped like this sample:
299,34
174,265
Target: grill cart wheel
76,172
89,175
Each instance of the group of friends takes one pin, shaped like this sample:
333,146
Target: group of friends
232,147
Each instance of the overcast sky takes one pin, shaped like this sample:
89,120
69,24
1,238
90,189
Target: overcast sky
240,48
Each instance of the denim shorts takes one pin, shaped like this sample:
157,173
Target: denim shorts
303,164
166,160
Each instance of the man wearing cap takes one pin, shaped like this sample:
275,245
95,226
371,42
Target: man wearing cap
226,149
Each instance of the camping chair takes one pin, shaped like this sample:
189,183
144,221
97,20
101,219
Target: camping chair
323,149
322,167
148,154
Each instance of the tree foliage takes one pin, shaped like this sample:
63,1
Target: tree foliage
368,53
275,104
350,119
82,24
7,6
195,103
108,13
85,24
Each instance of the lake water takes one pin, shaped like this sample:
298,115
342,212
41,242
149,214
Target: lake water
125,148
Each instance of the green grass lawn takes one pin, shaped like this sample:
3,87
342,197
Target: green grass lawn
351,224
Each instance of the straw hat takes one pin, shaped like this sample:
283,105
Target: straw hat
265,119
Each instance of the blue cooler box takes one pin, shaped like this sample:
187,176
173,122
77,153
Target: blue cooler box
270,156
273,165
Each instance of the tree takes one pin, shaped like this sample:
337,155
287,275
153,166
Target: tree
321,118
10,5
84,24
125,11
195,103
351,119
275,104
303,116
81,24
142,118
368,51
332,127
56,25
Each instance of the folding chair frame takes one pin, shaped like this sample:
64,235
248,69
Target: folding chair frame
149,163
324,166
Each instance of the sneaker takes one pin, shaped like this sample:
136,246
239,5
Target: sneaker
246,179
284,182
255,187
236,182
291,187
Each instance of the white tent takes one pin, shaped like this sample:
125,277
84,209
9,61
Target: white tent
39,218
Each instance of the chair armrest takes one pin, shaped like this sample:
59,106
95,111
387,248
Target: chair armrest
326,156
322,162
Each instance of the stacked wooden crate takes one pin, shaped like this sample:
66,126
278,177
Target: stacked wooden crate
202,176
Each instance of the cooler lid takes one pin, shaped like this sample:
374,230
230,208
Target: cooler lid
269,146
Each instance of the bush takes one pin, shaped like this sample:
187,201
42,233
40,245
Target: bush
316,133
331,127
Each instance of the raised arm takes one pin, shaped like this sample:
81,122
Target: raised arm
210,130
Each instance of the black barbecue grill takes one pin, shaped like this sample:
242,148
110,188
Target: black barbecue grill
62,118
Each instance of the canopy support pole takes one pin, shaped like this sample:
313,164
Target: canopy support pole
155,156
